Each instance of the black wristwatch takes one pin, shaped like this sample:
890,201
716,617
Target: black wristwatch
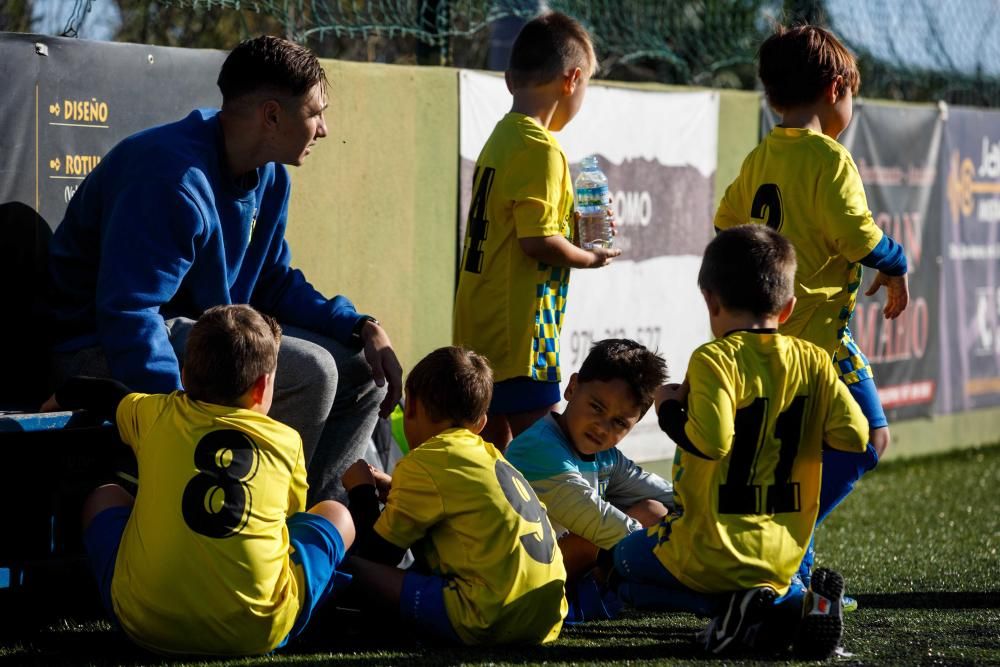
356,331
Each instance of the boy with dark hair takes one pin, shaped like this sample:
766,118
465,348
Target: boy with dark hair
493,572
802,183
750,422
215,554
192,214
594,494
514,273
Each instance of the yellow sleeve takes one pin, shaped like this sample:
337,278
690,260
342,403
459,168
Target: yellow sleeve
534,184
732,204
846,426
413,507
850,227
135,414
711,406
299,486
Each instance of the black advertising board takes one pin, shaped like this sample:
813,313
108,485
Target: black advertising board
970,231
66,102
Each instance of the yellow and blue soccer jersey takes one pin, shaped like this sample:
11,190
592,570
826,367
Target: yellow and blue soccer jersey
510,307
475,521
807,187
747,477
203,565
586,495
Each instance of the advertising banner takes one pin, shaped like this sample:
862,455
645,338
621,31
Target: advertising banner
66,102
970,317
658,151
897,150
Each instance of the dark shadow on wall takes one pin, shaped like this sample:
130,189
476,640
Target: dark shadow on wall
24,335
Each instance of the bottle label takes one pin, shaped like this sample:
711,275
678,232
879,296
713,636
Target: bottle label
596,196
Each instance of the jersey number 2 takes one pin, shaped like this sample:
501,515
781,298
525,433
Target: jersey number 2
217,500
766,206
524,501
737,495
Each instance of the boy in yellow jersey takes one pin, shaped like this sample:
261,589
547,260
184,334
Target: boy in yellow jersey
215,554
802,183
514,274
488,567
750,421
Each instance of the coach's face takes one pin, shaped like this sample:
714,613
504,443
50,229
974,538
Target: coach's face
300,124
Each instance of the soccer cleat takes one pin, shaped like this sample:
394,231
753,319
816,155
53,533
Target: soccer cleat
822,624
745,611
850,605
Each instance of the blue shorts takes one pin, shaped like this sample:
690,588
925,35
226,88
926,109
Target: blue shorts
856,372
522,394
316,550
421,604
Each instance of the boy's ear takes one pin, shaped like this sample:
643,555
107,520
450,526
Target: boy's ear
786,311
410,408
478,426
572,80
259,387
712,302
510,86
574,379
832,92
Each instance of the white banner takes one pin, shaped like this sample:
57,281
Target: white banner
658,150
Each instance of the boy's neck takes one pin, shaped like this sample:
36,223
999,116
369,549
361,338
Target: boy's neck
806,118
728,320
536,102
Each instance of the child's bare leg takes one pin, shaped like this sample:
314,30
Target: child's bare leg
497,431
339,516
880,440
103,498
520,421
579,556
375,585
648,512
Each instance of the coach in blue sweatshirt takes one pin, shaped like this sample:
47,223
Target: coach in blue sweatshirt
185,216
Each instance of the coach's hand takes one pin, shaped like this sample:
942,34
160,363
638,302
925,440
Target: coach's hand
897,292
50,405
384,364
671,392
358,474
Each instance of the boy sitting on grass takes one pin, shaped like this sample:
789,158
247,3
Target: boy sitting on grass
750,421
492,571
215,554
594,494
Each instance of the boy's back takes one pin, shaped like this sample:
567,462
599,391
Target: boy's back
509,307
806,186
484,530
198,578
747,473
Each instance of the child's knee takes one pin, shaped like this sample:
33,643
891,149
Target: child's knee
103,498
337,514
648,512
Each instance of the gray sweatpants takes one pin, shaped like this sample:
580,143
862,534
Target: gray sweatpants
323,389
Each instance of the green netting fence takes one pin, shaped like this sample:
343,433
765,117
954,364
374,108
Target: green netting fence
916,50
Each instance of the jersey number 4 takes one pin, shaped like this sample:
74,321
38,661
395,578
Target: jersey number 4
217,501
478,225
524,501
737,495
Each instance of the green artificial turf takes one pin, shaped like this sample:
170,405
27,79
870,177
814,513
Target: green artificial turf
918,544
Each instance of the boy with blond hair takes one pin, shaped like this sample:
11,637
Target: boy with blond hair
750,421
518,251
802,183
215,554
488,567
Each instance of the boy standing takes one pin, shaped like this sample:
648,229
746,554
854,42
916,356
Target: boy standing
592,491
802,183
495,572
514,273
750,423
215,554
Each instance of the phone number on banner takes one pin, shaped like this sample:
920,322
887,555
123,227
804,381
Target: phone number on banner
581,340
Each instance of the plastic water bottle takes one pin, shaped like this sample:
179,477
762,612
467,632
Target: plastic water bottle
593,200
